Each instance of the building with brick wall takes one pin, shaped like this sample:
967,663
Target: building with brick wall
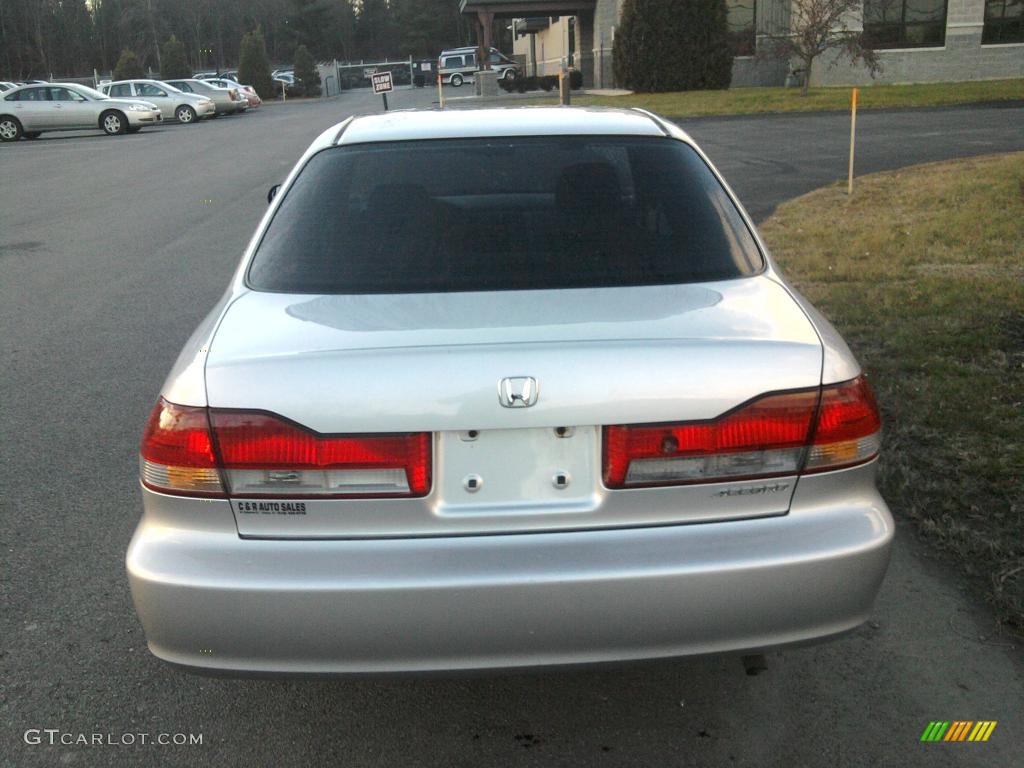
917,40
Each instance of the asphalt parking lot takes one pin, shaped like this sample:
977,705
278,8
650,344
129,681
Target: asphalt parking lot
112,249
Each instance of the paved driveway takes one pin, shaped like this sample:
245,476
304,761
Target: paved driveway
110,254
773,158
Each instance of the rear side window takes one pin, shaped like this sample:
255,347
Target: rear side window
452,61
29,94
503,214
120,91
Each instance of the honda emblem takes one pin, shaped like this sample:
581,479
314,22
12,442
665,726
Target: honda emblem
518,391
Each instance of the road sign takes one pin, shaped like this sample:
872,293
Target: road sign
382,82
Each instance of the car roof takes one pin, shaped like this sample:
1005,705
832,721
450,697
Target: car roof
206,83
504,121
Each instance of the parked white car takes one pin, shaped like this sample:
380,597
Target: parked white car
31,110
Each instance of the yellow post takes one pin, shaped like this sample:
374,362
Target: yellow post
853,138
440,90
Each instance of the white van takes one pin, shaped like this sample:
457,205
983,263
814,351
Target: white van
457,65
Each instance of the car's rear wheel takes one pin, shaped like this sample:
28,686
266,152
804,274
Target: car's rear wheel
456,80
185,114
510,74
113,123
10,128
33,134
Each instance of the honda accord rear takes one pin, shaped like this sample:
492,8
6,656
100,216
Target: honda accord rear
505,388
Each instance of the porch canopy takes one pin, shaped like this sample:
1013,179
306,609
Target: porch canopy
486,11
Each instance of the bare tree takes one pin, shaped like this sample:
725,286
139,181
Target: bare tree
817,27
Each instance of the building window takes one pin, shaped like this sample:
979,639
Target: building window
741,26
905,23
1004,22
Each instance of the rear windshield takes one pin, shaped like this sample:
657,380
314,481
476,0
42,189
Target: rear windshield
502,214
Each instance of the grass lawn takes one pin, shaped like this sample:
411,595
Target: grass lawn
741,101
922,271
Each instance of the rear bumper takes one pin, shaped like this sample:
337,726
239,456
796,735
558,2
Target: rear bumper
209,599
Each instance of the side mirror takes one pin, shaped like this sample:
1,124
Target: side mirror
273,193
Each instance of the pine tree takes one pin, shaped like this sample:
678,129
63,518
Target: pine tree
305,71
174,64
253,67
673,45
128,66
375,29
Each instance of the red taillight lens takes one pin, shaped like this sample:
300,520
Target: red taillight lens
187,450
849,429
769,437
265,455
177,455
763,439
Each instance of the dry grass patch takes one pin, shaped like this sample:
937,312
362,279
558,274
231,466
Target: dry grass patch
922,271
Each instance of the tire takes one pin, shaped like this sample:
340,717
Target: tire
33,134
113,123
456,80
510,74
185,114
10,128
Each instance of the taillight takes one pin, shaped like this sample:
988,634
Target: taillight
187,450
849,428
264,455
778,434
177,455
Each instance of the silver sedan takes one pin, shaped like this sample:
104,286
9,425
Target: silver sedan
505,388
174,104
247,92
31,110
227,101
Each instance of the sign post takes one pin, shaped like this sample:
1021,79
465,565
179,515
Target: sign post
853,137
382,84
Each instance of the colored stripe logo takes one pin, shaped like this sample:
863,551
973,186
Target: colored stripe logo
958,730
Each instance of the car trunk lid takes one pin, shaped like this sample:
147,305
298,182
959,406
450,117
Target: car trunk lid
367,364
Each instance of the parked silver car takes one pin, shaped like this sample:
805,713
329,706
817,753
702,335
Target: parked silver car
174,103
247,92
226,101
6,85
30,110
505,388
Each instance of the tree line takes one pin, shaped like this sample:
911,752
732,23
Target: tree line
40,38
